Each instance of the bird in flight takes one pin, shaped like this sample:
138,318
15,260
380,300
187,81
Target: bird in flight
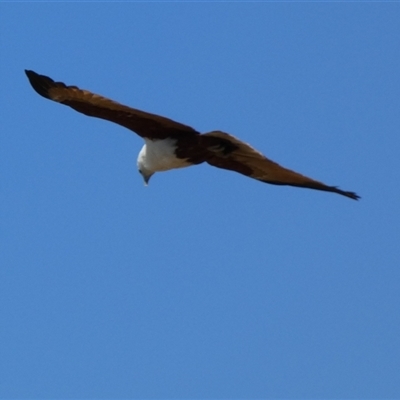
170,144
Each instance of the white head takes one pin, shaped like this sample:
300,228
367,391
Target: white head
158,155
143,167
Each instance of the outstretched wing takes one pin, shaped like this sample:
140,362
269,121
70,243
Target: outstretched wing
144,124
227,152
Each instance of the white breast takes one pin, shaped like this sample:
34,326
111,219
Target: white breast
159,155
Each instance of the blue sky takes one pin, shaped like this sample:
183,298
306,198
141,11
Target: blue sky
205,284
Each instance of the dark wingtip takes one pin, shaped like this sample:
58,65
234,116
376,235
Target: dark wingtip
40,83
351,195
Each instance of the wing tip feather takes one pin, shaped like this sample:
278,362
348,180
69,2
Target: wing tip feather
335,189
40,83
351,195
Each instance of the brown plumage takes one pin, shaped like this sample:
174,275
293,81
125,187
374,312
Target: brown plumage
217,148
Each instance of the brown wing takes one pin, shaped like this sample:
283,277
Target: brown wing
227,152
144,124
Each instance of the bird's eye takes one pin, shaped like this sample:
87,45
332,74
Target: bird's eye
140,172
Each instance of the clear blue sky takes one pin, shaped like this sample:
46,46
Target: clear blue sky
205,284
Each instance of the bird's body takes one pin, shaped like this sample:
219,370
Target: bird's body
170,144
159,155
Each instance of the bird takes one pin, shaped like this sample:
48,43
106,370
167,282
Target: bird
169,144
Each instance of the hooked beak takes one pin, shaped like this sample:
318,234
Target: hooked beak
146,179
146,176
